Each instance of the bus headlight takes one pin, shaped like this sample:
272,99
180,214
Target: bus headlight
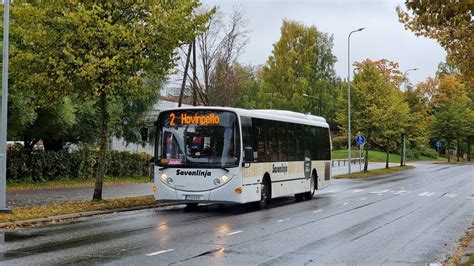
224,178
163,177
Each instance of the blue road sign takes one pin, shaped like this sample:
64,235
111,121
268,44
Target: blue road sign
438,144
360,140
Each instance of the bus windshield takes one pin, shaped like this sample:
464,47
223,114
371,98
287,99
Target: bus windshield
197,138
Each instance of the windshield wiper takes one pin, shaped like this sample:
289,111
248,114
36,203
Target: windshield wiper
223,168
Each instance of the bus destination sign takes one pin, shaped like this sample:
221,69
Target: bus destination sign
193,119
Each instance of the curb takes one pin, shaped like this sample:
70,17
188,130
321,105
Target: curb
70,216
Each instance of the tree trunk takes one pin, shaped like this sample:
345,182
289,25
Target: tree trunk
458,152
366,161
469,148
386,160
449,154
401,154
101,163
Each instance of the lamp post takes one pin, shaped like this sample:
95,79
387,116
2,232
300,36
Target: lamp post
349,95
317,98
402,160
4,109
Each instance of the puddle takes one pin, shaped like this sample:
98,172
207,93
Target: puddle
16,236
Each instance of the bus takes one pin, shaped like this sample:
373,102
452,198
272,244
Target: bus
232,155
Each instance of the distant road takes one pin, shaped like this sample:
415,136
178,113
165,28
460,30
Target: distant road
411,217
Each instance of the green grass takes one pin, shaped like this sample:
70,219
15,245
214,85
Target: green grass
75,183
377,156
374,172
26,213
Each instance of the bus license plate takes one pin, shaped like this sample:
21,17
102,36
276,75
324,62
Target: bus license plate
193,197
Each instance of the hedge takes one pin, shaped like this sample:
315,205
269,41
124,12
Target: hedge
39,165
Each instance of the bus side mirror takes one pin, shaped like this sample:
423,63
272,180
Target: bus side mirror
248,155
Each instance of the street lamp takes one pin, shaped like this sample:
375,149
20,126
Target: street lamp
349,95
402,160
4,109
317,98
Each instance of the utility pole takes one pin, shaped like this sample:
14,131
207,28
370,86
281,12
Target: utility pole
3,132
183,84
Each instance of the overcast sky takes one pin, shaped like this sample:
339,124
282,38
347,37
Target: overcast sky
384,36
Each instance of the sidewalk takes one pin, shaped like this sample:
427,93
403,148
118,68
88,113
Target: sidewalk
23,198
355,168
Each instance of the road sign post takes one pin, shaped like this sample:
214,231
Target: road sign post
360,140
438,145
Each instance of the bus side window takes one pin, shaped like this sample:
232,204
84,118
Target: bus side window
247,132
292,149
283,141
260,139
300,142
315,143
273,153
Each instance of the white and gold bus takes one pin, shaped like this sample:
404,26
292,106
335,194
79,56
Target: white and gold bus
231,155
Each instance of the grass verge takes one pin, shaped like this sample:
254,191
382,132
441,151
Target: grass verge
459,251
43,211
75,183
374,172
378,156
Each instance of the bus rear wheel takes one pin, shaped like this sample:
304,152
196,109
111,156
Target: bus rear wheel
265,194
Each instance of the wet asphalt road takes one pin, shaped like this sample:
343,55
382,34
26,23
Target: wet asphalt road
413,217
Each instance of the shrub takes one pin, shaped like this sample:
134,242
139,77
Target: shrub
39,165
339,143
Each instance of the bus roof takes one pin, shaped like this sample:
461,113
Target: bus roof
276,115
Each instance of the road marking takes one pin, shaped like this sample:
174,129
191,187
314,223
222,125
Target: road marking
471,197
317,211
380,192
426,194
450,195
363,198
159,252
357,190
401,192
283,220
233,233
345,203
333,190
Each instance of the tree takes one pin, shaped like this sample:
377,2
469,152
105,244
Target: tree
301,63
104,51
452,121
217,51
448,22
377,107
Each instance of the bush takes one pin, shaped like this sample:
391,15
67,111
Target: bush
339,143
38,165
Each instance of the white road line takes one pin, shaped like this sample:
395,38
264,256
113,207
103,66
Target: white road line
450,195
357,190
317,211
401,192
333,190
284,220
471,197
423,194
363,198
345,203
159,252
233,233
380,192
430,194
